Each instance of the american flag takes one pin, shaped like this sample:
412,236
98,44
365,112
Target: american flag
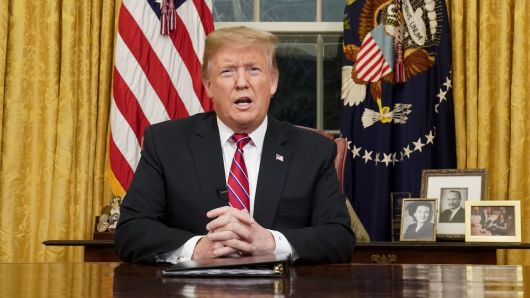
372,63
156,77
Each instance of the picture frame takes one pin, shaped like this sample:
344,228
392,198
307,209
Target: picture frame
493,221
396,202
452,188
419,220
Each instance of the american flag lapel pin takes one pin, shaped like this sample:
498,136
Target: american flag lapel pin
279,157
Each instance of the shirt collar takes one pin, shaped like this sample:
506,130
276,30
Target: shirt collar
257,136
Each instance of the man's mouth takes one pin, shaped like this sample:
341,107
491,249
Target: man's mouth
243,102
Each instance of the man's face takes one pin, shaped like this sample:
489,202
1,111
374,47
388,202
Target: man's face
241,83
453,200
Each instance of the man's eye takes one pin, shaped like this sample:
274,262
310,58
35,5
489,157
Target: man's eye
255,70
226,72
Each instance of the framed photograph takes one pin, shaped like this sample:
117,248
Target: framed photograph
493,221
396,201
453,188
418,220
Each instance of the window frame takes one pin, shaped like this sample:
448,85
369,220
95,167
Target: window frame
317,28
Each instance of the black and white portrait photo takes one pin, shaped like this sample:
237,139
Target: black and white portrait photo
418,220
452,202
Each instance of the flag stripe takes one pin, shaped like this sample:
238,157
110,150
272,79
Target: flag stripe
196,13
125,139
205,12
368,62
120,168
184,45
151,65
135,78
374,73
128,106
166,51
371,64
188,15
156,77
367,48
368,67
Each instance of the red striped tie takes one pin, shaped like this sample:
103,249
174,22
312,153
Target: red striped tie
238,189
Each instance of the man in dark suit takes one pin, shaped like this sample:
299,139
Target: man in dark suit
183,203
454,213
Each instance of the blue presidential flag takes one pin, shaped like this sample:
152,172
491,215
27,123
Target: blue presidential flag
397,102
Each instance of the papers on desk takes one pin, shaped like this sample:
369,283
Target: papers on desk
260,266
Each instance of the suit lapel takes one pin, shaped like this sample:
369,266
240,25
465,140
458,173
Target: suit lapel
208,160
274,165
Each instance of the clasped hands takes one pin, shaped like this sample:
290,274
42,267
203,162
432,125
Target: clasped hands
233,233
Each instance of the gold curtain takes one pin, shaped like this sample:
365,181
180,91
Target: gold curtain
491,75
55,73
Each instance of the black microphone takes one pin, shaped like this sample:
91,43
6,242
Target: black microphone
222,193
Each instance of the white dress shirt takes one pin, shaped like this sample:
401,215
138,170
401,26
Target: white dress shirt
252,155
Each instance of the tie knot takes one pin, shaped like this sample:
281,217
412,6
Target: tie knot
241,140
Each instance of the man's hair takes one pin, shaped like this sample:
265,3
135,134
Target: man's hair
458,193
239,37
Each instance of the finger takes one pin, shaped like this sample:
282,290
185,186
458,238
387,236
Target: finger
233,216
243,247
217,211
221,236
229,252
225,251
231,231
242,215
220,222
217,245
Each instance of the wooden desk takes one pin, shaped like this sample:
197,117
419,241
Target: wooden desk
346,280
431,253
95,250
364,253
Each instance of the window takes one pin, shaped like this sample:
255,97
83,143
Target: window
309,54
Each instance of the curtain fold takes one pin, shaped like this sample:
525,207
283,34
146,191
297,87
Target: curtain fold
58,65
491,46
4,11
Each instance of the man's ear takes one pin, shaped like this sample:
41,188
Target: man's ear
207,85
274,81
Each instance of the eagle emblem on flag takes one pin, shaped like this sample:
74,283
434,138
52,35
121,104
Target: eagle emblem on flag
396,36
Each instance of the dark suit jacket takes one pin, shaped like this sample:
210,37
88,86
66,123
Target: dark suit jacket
181,170
426,232
445,216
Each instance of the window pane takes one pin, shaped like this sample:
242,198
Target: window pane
295,99
332,10
288,10
233,10
332,81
